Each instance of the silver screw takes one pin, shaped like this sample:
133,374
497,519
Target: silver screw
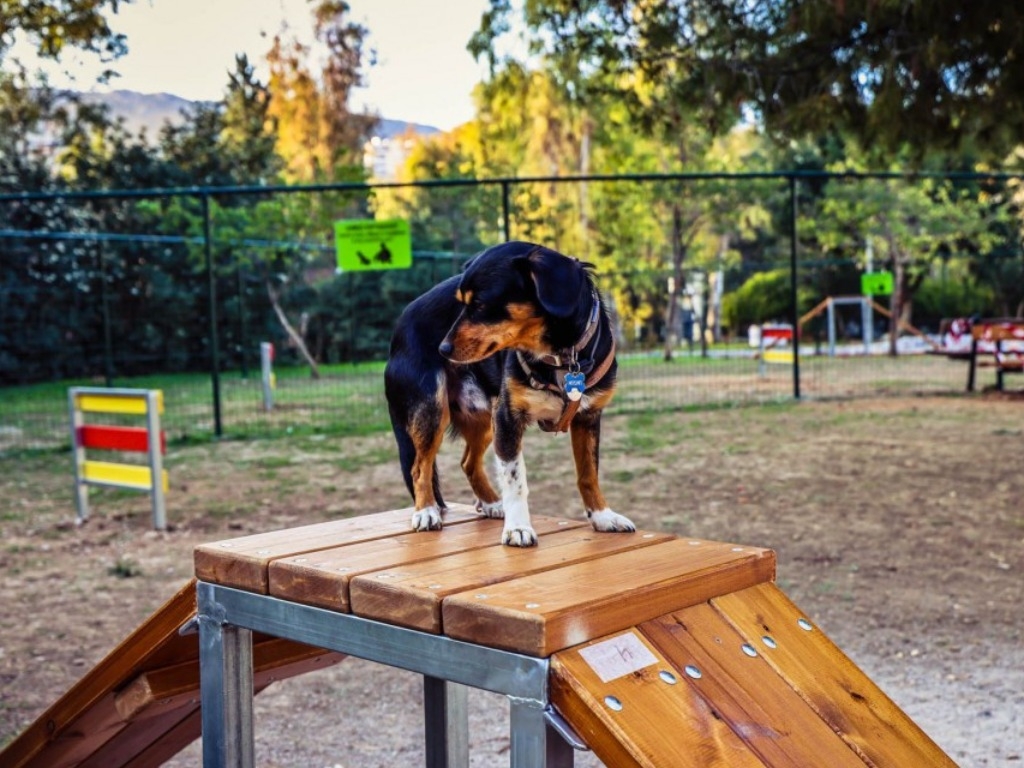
692,671
667,676
613,703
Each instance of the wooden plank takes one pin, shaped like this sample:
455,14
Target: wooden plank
555,609
841,694
243,562
659,724
778,356
744,691
412,596
156,639
133,476
322,578
109,438
120,403
170,687
149,742
996,330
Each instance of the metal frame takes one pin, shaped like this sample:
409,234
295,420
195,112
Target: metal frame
227,617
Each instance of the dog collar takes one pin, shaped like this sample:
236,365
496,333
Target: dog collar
567,357
573,376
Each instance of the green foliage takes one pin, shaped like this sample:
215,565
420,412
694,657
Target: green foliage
51,28
932,75
939,298
764,298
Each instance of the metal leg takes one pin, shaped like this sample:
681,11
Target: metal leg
225,669
446,718
534,743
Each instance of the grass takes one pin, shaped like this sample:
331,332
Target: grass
348,399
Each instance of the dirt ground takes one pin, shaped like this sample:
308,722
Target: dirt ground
898,524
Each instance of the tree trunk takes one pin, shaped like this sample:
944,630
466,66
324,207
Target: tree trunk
295,336
899,278
675,287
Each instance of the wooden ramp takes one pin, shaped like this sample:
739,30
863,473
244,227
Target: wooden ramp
140,705
740,680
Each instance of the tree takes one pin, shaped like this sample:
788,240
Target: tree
907,224
51,28
249,133
318,135
933,74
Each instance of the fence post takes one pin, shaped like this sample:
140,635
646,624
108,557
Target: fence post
212,282
506,215
243,331
267,374
108,344
794,307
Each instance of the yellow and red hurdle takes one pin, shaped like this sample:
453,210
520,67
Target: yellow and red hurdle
150,440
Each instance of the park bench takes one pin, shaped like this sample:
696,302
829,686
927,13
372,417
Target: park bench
990,338
984,343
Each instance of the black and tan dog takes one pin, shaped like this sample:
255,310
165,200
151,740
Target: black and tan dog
520,336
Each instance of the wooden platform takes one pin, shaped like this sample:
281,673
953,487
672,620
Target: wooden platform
665,651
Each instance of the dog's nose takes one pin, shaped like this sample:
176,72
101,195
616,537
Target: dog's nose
446,348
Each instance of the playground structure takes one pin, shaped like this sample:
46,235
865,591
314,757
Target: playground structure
867,307
150,440
649,649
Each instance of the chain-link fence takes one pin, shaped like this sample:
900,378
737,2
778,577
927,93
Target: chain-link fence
177,289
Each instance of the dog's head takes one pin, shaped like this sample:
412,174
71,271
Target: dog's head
516,296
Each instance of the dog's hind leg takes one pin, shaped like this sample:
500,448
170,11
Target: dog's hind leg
427,433
476,431
586,441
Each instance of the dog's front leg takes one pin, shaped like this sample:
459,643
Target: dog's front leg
509,425
586,444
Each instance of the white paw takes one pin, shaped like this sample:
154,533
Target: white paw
519,537
606,520
490,509
426,519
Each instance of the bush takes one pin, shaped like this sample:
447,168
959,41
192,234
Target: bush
764,297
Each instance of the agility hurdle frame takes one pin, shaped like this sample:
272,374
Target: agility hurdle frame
150,478
767,353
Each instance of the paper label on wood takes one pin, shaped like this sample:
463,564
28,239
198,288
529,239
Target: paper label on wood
618,657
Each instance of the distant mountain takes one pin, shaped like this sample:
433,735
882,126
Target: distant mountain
389,129
150,111
140,111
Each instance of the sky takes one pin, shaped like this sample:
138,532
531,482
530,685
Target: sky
186,47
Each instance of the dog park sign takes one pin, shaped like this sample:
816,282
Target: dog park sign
876,283
367,244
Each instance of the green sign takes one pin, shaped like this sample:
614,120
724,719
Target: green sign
876,283
365,244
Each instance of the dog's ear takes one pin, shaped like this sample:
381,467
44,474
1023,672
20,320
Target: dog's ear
559,281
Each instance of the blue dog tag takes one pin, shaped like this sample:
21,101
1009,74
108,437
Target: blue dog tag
575,383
